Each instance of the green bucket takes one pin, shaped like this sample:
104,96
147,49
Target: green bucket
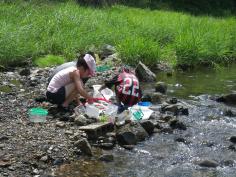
37,114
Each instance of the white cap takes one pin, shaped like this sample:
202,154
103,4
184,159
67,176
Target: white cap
91,63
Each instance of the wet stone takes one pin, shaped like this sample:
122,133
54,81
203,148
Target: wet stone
176,124
106,157
84,146
233,139
208,163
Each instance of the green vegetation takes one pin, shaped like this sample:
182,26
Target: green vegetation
32,29
49,60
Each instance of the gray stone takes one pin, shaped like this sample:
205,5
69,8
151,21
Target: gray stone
60,124
25,72
84,146
208,163
106,157
157,98
161,87
148,126
233,139
228,99
97,129
176,124
80,120
144,73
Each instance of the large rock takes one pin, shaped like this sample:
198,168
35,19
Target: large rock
84,146
144,73
131,134
148,126
157,97
161,87
80,120
228,99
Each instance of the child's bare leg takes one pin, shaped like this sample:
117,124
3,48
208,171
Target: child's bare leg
70,94
70,98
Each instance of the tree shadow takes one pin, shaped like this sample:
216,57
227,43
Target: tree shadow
219,8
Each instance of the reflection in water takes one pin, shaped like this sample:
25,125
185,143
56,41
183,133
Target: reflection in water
204,81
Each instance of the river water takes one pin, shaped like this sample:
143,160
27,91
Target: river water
206,138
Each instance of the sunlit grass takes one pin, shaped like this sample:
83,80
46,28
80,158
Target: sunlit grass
30,30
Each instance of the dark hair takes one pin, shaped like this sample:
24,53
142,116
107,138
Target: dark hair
82,62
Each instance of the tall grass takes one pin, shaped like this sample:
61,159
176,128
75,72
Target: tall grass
31,30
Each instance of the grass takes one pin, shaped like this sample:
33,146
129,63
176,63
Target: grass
49,60
32,30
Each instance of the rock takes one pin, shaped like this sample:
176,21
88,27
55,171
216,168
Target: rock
208,163
3,138
106,51
176,124
128,147
80,120
106,157
233,139
182,140
176,109
25,72
229,113
144,74
157,98
58,161
229,163
166,130
84,146
69,132
166,118
161,87
146,97
173,100
35,171
60,124
148,126
5,163
44,158
106,146
131,134
228,99
232,147
126,138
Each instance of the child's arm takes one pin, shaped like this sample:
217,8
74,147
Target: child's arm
79,87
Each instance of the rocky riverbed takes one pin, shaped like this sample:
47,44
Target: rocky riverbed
37,149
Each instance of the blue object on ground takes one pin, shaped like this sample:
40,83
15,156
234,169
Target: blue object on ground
146,103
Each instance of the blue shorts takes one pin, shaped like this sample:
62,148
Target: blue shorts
58,97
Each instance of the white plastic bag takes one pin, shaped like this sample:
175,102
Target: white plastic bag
145,111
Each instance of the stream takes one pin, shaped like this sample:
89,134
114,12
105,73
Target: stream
206,138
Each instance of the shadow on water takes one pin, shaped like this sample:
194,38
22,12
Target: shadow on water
206,137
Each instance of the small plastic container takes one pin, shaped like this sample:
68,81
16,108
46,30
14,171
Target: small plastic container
38,115
145,103
107,93
92,111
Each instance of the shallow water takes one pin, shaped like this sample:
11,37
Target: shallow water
207,135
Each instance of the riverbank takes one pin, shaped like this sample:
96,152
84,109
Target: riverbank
53,148
30,30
